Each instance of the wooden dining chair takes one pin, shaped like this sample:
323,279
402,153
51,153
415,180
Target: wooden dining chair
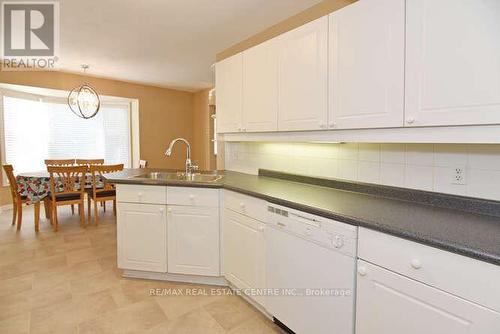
89,162
106,193
59,162
18,200
71,190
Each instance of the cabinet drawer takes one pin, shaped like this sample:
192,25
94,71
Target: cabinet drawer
246,205
193,196
141,194
468,278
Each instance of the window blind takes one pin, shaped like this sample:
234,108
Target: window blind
35,130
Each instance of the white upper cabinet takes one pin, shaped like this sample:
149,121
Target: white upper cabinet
228,80
303,77
260,88
452,62
366,65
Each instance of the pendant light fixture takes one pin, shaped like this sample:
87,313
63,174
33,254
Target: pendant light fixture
83,100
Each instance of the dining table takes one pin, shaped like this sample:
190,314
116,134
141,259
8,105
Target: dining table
35,186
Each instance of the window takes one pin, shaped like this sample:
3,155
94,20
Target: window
36,129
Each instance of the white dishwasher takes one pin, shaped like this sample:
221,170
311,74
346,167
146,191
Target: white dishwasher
310,263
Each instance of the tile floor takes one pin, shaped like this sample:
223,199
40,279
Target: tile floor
67,282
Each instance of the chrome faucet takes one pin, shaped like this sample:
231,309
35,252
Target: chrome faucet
190,168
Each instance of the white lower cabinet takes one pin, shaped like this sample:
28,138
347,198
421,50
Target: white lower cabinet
244,253
389,303
193,240
142,237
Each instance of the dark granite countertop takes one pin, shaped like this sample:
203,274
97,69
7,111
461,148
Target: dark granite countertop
455,229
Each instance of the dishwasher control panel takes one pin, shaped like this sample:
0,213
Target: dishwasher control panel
323,231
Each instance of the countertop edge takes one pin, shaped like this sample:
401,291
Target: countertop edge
422,239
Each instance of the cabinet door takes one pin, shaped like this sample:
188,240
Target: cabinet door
142,237
303,77
452,62
389,303
243,252
260,88
193,240
366,65
228,82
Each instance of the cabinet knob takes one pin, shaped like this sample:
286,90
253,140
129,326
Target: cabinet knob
139,195
362,271
416,264
244,129
322,125
261,228
308,231
191,197
169,210
162,209
332,124
242,205
410,120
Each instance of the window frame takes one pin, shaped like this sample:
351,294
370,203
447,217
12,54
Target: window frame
132,117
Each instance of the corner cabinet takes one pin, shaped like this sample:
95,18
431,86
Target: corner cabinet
303,77
142,237
228,80
366,65
452,62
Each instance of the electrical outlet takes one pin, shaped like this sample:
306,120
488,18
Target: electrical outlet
458,176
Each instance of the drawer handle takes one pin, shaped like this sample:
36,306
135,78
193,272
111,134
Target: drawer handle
416,264
281,225
362,271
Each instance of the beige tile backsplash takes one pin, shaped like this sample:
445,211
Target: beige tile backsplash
418,166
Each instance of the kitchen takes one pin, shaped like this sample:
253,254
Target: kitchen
340,174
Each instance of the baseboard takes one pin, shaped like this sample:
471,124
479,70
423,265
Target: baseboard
208,280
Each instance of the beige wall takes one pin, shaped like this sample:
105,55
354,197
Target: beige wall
321,9
163,113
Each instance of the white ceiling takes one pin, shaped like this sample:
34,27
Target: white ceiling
169,43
